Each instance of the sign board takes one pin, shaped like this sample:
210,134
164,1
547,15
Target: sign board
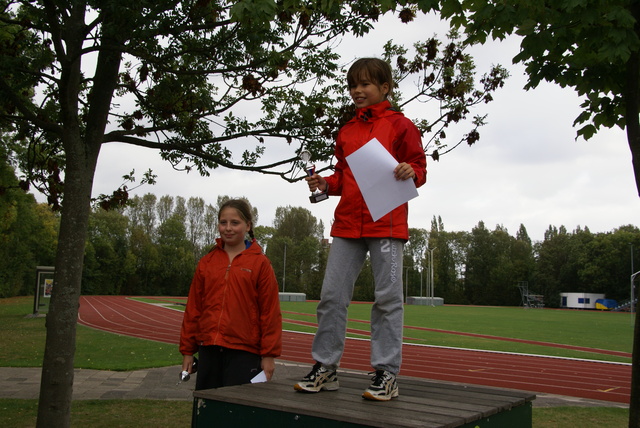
44,287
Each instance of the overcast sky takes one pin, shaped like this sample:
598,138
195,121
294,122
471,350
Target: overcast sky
527,168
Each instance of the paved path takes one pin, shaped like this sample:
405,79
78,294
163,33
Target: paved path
161,384
155,383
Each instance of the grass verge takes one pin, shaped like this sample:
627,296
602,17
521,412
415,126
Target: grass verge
103,413
169,414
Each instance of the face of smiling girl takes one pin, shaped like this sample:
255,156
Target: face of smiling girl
232,227
366,92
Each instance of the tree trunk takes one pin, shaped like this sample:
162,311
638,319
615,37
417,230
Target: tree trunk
82,147
632,105
634,403
56,387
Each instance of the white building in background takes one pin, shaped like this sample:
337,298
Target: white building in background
579,300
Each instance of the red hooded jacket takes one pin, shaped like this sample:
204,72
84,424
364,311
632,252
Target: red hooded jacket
234,305
402,139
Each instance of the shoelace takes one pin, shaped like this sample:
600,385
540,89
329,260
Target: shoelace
314,371
378,377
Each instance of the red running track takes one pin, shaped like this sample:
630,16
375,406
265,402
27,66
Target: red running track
576,378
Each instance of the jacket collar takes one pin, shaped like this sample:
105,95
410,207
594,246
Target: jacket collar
252,245
365,114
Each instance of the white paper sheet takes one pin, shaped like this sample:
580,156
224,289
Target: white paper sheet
372,166
260,377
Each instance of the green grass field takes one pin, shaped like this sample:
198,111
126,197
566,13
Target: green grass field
592,329
23,340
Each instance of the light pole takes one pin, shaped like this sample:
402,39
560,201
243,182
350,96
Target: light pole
427,279
284,267
632,294
430,286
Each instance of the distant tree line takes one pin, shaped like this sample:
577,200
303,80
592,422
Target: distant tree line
485,267
28,234
151,247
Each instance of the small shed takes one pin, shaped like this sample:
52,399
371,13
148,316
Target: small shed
579,300
293,297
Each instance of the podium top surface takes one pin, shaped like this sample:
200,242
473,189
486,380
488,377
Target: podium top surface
422,403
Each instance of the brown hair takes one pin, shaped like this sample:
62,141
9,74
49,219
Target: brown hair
373,69
244,210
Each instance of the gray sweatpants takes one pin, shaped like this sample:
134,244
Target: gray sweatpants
346,258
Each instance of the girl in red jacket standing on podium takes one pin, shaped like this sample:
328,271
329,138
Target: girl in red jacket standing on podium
355,234
232,319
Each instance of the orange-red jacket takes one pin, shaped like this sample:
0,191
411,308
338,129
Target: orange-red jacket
234,305
402,139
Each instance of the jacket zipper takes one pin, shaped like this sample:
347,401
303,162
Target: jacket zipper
224,300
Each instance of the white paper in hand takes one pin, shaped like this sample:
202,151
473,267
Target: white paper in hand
372,166
260,377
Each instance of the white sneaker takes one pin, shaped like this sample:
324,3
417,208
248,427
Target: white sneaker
319,378
383,387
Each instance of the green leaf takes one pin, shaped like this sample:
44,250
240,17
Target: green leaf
587,131
450,8
527,27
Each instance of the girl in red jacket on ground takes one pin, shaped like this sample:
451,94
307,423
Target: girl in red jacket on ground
232,319
355,233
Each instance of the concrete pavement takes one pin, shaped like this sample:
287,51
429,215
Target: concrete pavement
156,383
162,384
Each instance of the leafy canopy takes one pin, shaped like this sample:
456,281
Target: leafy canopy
584,44
208,83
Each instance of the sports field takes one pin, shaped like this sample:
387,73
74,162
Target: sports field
597,335
585,334
602,332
